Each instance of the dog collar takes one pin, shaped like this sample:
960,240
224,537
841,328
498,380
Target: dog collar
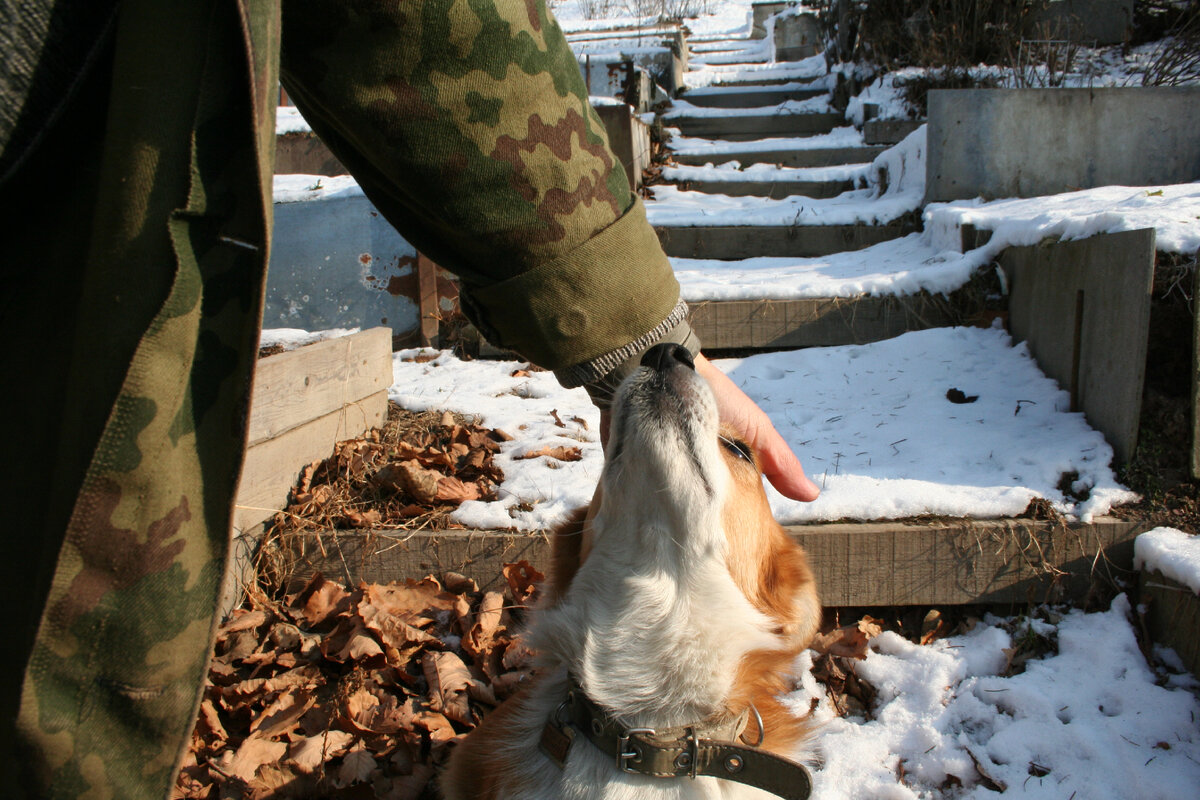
707,748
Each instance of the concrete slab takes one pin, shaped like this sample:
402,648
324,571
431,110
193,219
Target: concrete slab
731,242
744,127
1084,308
942,562
797,36
994,143
814,157
889,131
337,263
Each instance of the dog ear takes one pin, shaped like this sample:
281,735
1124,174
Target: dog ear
566,550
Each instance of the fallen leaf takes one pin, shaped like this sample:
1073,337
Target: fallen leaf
522,581
311,752
356,767
557,419
561,452
449,680
251,755
480,639
848,641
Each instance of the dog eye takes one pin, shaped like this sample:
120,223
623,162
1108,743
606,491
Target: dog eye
738,448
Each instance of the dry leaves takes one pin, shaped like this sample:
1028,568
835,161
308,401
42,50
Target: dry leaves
348,693
561,452
413,469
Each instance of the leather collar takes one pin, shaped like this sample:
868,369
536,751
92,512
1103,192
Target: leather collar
708,748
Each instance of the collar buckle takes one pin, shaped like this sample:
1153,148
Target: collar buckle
630,753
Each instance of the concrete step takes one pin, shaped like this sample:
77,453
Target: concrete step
916,562
746,127
750,97
744,241
789,157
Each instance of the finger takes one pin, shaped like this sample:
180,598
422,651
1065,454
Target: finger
780,465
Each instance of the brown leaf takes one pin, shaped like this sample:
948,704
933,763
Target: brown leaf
561,452
448,679
439,728
933,627
452,490
848,641
311,752
557,419
459,584
357,767
380,713
479,641
282,715
350,641
363,519
322,600
242,619
580,421
519,373
522,581
252,754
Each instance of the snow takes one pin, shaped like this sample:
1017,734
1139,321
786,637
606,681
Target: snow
1172,210
1172,552
304,188
1088,717
734,171
673,206
898,267
813,105
289,120
292,338
846,136
871,423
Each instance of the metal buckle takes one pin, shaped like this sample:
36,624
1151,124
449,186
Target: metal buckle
625,753
687,759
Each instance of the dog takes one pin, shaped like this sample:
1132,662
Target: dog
675,608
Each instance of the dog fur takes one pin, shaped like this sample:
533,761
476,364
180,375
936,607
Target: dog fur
675,596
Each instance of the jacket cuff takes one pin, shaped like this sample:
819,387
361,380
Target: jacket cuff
585,304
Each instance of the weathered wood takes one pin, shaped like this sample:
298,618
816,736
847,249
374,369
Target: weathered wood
1084,308
427,301
773,189
293,388
812,157
744,241
303,153
757,126
817,322
947,562
748,98
1172,616
272,465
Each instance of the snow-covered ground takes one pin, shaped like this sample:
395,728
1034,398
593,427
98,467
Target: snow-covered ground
1089,720
873,425
1172,552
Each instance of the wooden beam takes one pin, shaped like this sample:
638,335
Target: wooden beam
756,126
814,157
271,466
945,562
296,387
428,311
773,189
818,322
1172,616
748,98
743,241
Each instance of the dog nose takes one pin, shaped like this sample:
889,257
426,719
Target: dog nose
663,356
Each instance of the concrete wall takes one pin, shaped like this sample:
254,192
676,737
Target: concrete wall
628,137
995,143
1100,21
762,11
797,36
337,263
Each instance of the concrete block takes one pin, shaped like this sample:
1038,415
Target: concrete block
889,131
622,80
797,36
337,263
302,153
1084,308
1101,21
762,11
628,137
995,143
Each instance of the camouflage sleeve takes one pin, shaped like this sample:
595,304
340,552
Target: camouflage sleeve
467,124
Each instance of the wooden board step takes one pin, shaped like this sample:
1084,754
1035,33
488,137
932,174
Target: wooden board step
774,190
744,241
735,97
788,157
745,127
941,562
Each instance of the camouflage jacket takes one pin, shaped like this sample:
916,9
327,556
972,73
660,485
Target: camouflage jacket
467,125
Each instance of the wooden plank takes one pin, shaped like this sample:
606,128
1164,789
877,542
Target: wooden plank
744,241
1173,616
945,562
293,388
819,322
427,301
748,98
773,189
809,157
1084,308
271,466
757,126
889,131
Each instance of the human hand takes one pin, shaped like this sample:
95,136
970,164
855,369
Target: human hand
779,463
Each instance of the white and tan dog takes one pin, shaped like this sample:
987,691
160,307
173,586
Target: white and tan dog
676,607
